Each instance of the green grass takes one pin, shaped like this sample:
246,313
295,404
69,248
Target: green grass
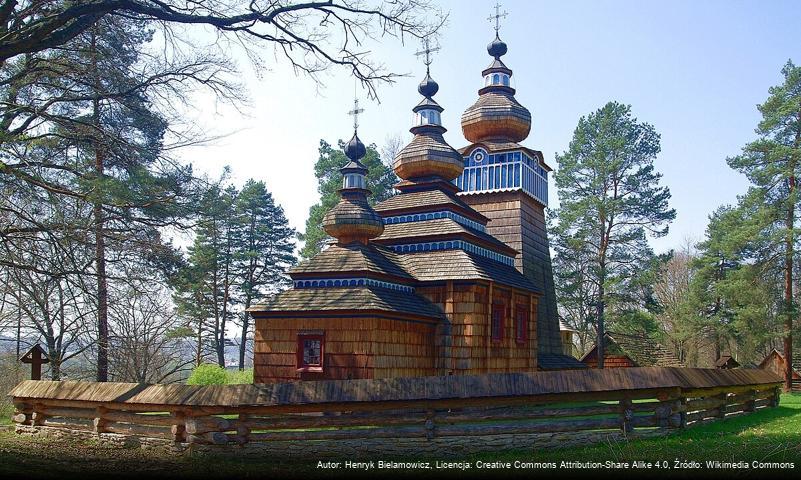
770,435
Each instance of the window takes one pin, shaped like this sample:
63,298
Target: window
354,180
498,314
311,352
428,117
521,324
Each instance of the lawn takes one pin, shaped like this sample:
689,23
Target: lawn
772,435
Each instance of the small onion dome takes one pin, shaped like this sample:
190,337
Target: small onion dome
497,48
428,87
355,149
352,219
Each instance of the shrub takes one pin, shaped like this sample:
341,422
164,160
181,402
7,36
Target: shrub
213,374
208,374
237,376
11,373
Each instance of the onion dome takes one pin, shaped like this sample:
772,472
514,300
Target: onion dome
355,149
428,155
353,219
497,48
496,115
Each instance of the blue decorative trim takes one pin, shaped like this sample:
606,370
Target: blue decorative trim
350,282
420,217
453,245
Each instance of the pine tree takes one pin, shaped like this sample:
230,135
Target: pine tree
772,163
610,198
719,255
735,293
380,179
204,289
263,251
117,140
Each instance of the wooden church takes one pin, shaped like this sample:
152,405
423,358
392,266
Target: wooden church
451,276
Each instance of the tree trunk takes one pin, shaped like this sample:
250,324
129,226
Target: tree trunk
102,291
55,360
243,342
100,244
788,267
599,342
19,321
604,243
249,293
199,346
788,285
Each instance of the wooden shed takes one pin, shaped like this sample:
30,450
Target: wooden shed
624,350
726,362
774,361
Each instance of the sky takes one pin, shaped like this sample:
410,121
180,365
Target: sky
695,70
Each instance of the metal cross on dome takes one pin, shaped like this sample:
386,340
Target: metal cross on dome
427,51
355,112
497,17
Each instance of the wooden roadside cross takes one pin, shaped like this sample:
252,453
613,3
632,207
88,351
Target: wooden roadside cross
36,356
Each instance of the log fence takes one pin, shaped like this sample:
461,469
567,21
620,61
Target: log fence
402,416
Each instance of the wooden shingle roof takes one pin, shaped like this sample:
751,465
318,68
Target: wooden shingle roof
426,201
496,114
642,349
374,299
558,361
428,154
727,361
460,265
645,351
796,363
355,257
440,228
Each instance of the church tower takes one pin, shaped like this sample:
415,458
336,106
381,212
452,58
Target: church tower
508,183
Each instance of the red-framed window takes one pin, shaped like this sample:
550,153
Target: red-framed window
496,325
311,352
521,324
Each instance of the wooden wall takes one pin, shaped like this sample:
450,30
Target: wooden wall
374,347
355,347
610,360
464,344
519,221
775,363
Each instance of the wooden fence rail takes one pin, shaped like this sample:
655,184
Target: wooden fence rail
397,416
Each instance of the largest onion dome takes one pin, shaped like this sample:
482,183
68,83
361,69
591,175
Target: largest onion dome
496,115
353,219
428,155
